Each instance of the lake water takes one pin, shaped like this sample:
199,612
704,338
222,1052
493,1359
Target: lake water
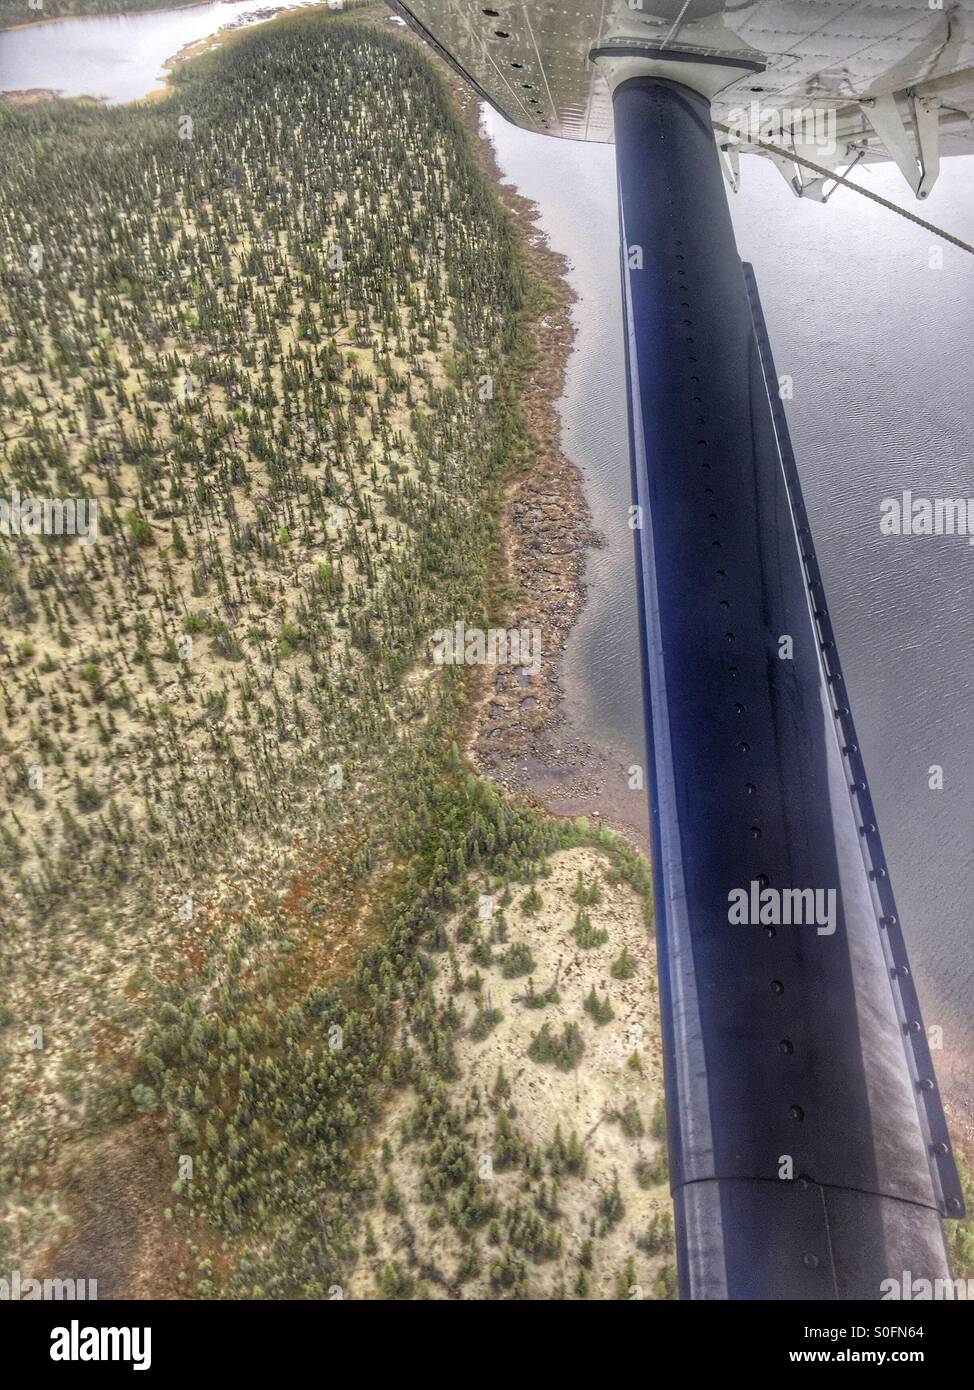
880,347
118,57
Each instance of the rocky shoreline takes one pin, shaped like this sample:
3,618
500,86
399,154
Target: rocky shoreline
545,521
523,735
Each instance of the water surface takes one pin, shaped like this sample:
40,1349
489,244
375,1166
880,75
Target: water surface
116,57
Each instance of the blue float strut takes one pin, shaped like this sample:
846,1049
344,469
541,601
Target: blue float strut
809,1155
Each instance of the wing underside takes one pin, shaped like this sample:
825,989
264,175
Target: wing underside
891,79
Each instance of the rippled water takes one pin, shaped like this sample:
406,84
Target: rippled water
118,57
880,346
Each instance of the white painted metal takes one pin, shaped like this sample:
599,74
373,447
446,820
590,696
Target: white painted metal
927,121
619,61
730,163
530,58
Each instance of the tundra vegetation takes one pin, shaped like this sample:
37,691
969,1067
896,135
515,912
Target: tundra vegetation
275,326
